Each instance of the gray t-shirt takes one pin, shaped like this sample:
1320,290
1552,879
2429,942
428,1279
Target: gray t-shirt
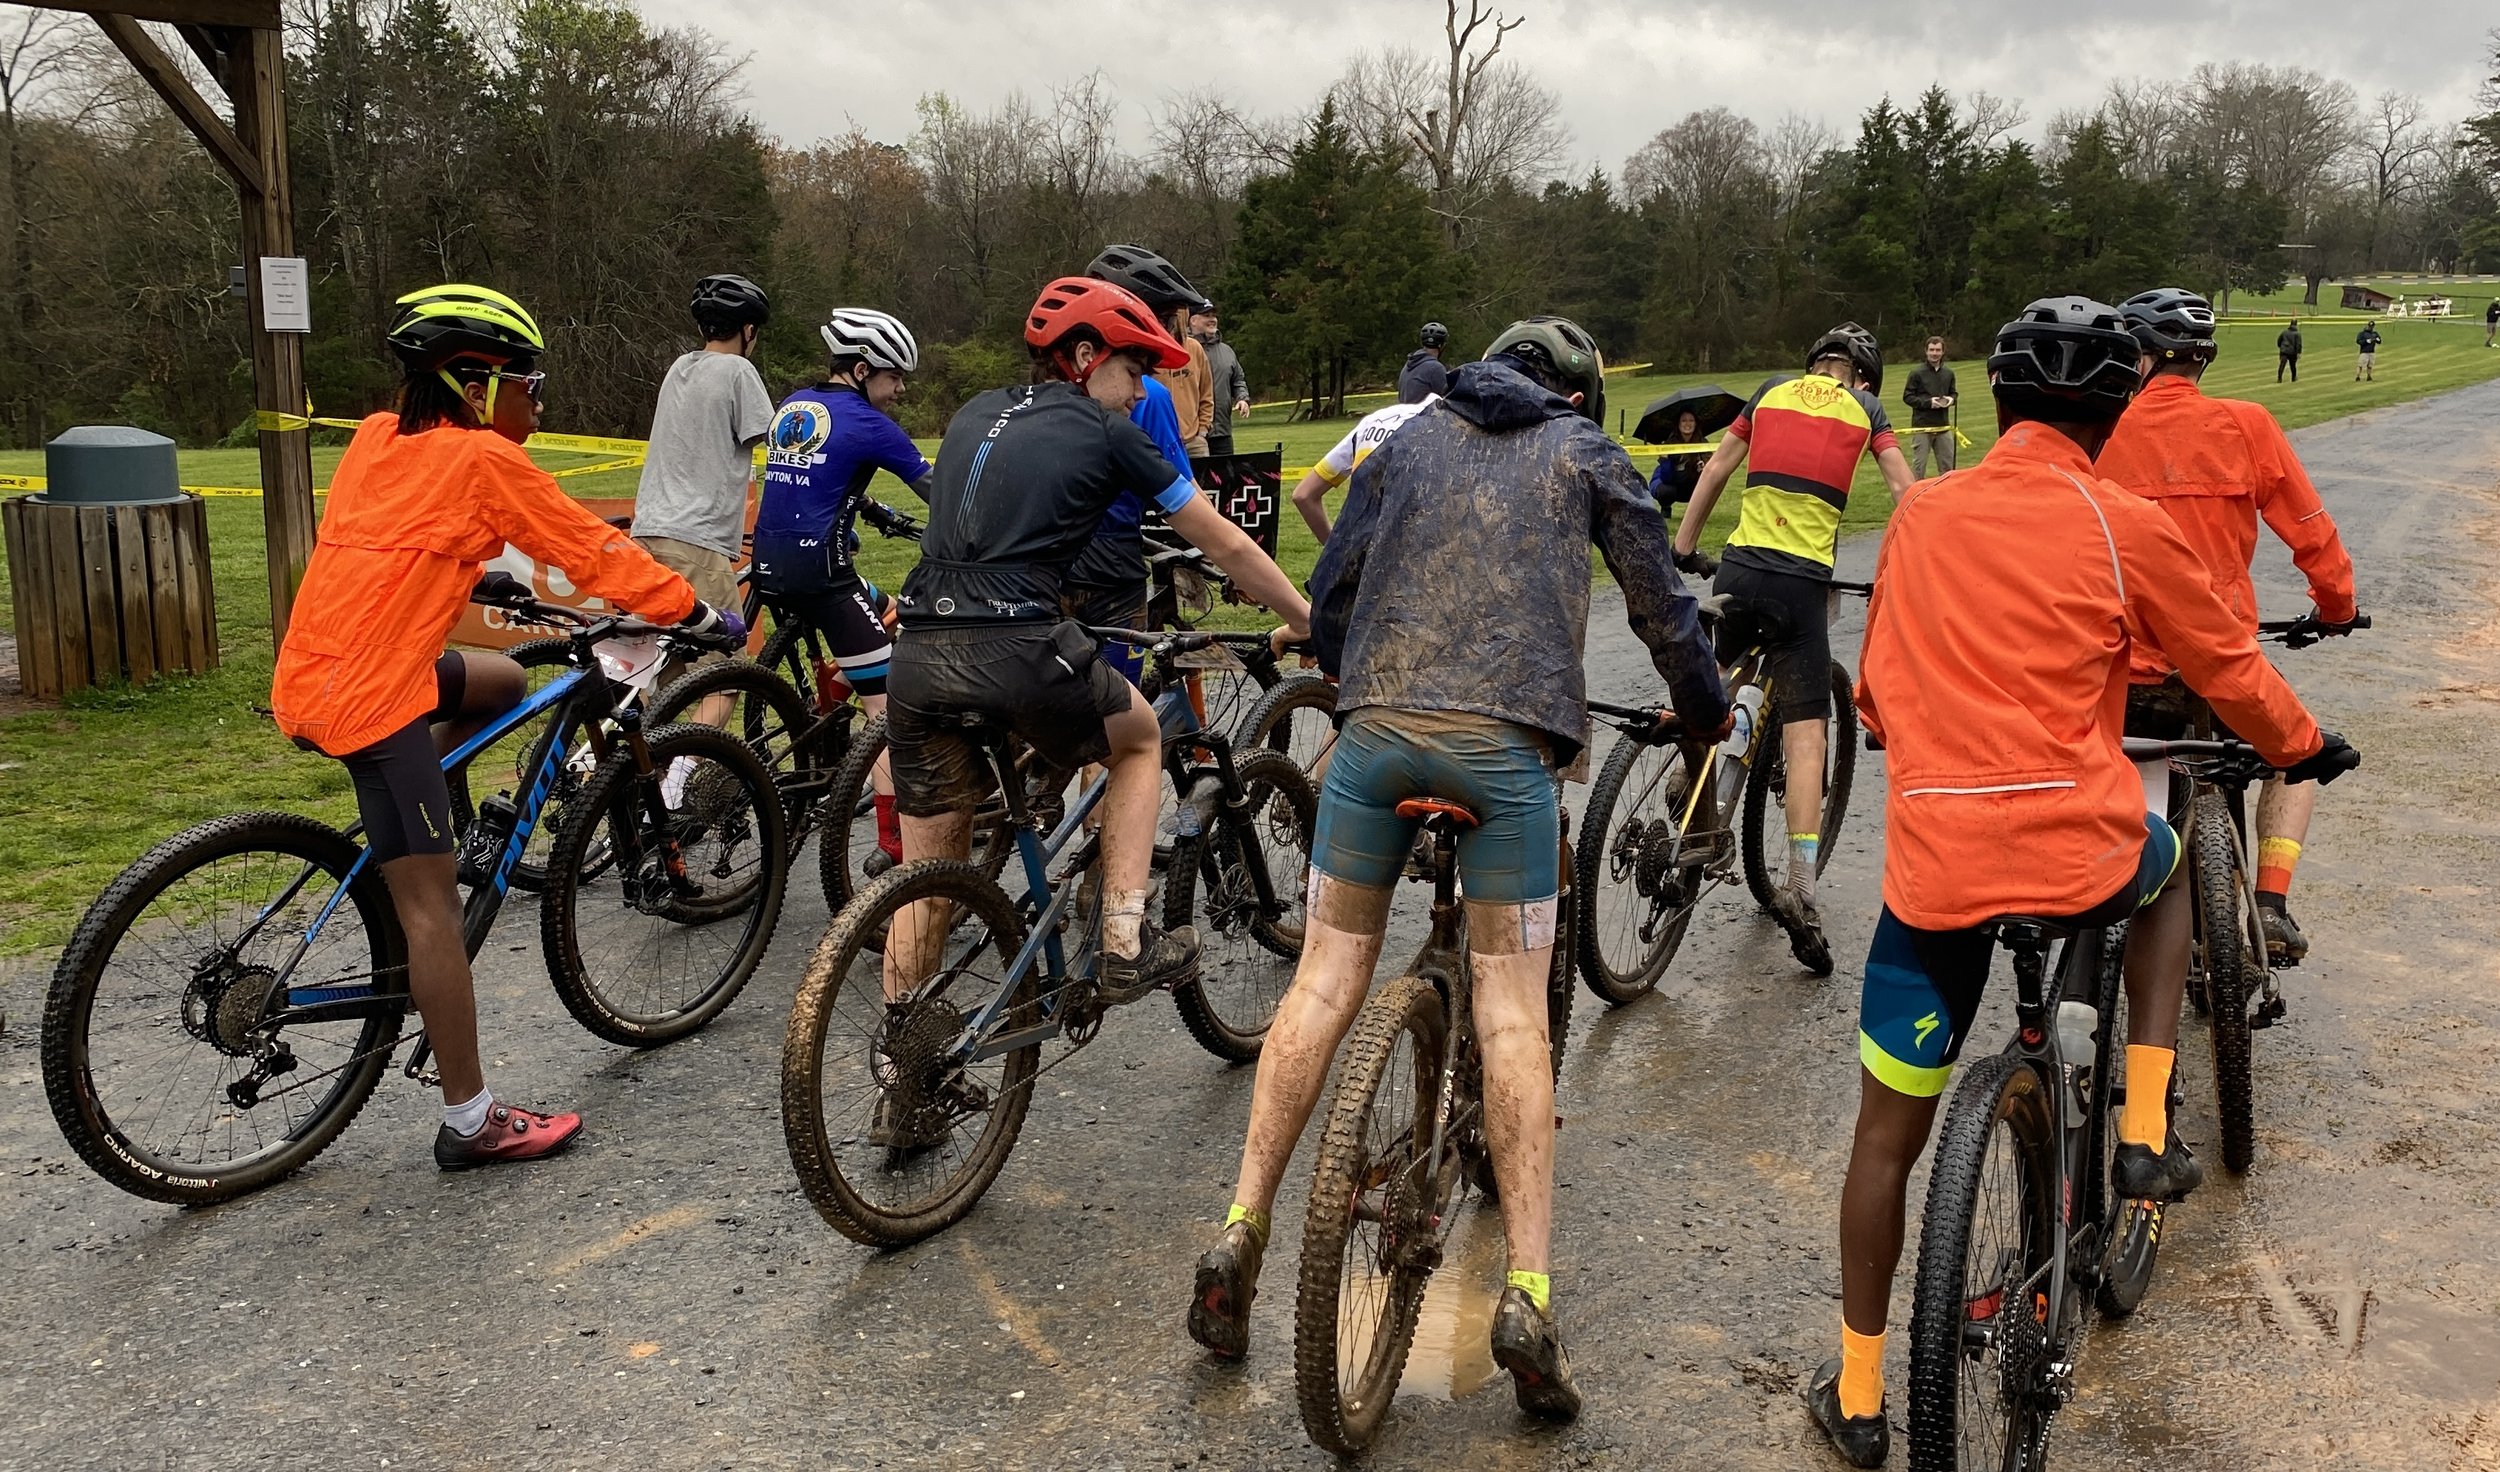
694,483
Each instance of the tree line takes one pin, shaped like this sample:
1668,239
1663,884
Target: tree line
595,166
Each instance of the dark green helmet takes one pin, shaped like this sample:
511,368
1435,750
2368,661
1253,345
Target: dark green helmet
1562,356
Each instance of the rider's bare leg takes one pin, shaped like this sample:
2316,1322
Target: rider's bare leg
1340,950
425,895
1518,1089
1804,747
914,938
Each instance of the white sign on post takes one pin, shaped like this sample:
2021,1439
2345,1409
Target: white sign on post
285,294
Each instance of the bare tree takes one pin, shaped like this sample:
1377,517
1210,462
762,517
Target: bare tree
976,165
2284,129
2394,148
1475,123
2146,121
1992,118
1209,150
44,58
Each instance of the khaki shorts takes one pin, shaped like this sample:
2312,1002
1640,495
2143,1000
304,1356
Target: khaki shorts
715,580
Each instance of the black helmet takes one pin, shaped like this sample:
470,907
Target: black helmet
2172,323
1561,356
1855,343
1435,335
2065,358
723,304
1150,278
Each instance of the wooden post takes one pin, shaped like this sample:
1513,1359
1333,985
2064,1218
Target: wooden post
256,68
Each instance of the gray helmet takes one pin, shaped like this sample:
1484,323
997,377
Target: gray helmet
723,304
2171,323
1855,343
2066,358
1559,354
1149,277
1434,335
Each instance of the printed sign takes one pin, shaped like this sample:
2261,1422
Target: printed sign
285,294
1248,489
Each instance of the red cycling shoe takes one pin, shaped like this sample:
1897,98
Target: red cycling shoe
510,1134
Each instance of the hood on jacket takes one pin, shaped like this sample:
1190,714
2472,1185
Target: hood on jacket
1490,394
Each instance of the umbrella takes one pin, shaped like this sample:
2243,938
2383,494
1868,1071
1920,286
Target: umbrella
1712,407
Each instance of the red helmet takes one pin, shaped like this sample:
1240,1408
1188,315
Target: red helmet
1114,313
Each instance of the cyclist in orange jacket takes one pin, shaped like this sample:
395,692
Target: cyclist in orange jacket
2008,599
2218,466
422,498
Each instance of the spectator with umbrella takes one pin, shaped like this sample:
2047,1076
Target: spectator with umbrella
1684,417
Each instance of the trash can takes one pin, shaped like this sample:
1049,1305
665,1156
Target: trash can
108,565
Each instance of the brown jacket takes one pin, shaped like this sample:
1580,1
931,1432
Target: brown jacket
1193,395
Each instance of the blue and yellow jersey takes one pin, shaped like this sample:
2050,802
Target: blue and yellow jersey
1803,438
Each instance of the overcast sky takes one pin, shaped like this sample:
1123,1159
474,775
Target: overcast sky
1625,67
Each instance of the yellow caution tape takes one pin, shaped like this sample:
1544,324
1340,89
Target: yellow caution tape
1954,430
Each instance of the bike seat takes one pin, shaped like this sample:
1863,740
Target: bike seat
2007,927
1428,808
1715,606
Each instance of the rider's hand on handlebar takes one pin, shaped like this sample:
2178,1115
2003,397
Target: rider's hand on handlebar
1697,562
2334,757
710,625
1720,732
2327,630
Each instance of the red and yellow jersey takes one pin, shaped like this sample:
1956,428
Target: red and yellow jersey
2217,466
1803,437
409,521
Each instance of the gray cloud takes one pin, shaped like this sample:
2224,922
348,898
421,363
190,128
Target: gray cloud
1625,67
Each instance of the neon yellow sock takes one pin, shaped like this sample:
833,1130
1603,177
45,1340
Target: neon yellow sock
1861,1373
2145,1118
1538,1287
1256,1219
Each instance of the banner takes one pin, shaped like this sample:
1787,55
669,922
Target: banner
1248,489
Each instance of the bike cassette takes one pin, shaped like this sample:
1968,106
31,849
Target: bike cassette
224,1002
915,1067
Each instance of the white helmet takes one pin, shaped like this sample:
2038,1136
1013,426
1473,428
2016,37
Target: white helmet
876,338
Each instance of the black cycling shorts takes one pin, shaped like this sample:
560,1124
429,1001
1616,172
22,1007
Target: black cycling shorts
845,615
400,792
1042,682
1789,619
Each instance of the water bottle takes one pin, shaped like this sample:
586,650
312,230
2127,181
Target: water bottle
2076,1022
1731,779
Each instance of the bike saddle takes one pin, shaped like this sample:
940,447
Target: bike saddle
1716,605
1428,808
2014,927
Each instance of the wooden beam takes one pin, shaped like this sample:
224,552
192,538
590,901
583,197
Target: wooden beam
160,72
255,73
205,46
260,14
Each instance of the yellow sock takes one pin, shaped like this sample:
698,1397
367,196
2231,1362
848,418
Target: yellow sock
1256,1219
1538,1287
2146,1118
1861,1373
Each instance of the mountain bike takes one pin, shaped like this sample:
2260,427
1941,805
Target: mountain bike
2231,977
1404,1138
2021,1229
949,1067
230,1001
1663,828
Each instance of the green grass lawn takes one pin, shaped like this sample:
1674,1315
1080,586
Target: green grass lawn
86,787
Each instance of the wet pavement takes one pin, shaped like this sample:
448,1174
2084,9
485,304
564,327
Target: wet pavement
664,1297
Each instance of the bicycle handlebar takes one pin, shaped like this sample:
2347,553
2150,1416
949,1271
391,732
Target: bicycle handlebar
1862,590
503,590
1658,726
2301,632
2223,763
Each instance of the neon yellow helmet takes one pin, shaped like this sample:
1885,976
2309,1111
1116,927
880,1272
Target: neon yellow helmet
442,325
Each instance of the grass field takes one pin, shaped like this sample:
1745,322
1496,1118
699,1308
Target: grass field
86,787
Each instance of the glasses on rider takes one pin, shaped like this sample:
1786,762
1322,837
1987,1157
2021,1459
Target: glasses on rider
533,384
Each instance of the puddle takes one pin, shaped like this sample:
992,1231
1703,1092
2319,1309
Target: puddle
1453,1353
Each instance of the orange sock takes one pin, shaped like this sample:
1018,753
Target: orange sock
2276,859
2145,1120
1861,1373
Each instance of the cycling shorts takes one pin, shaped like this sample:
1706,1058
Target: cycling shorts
1789,619
401,795
1042,682
843,610
1923,987
1122,607
1502,773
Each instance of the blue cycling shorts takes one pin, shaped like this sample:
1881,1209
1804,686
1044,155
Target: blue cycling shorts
1923,987
1503,773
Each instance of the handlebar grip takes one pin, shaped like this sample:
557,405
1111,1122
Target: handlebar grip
499,588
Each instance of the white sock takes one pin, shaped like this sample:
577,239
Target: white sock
673,782
1121,920
1802,848
465,1120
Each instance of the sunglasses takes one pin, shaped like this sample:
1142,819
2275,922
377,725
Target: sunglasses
533,384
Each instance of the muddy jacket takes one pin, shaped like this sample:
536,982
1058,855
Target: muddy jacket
1458,574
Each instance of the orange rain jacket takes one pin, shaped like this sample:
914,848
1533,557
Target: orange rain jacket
2216,465
410,520
2008,598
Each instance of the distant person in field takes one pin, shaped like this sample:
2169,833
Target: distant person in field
1929,393
2287,352
2491,320
1424,377
1232,386
1672,482
2367,339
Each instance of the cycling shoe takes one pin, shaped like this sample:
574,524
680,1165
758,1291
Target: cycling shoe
1227,1281
1862,1441
1804,923
2136,1172
1165,958
510,1134
2285,945
1526,1344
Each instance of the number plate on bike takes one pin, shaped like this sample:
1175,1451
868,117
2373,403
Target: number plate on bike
634,661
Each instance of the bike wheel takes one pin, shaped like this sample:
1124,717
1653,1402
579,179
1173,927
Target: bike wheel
848,856
1297,716
1766,793
1378,1209
652,947
503,767
151,1018
1248,952
847,1048
762,710
2132,1240
2223,945
1979,1330
1634,894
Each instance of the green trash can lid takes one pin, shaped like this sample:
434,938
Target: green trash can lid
111,465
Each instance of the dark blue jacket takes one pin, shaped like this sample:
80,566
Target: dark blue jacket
1457,577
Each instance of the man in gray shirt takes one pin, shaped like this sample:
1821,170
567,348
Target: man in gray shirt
1232,386
690,512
